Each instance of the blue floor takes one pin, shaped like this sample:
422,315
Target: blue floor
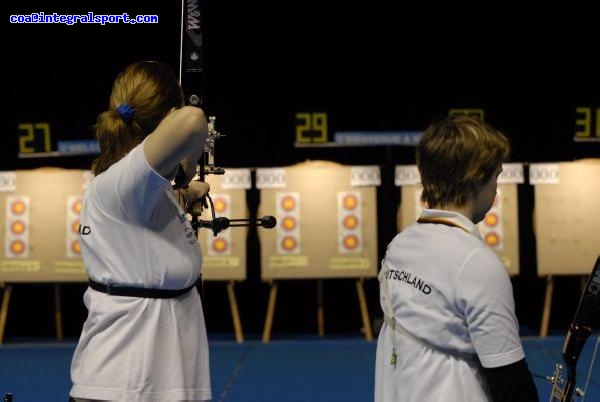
295,370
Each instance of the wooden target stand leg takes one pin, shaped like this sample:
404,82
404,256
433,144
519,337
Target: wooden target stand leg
362,300
320,310
4,309
235,315
548,302
547,306
58,312
6,301
364,311
266,337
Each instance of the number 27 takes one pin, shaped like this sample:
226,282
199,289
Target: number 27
29,136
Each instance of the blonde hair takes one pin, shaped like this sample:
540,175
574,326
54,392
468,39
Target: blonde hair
456,156
150,89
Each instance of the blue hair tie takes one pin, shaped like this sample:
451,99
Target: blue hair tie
125,111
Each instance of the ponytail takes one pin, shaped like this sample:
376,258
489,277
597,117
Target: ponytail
142,95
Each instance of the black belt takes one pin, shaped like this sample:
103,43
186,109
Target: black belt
117,290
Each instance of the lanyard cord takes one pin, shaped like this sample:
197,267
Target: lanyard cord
388,303
390,314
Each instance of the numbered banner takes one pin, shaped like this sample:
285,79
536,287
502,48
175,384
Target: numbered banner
587,124
34,138
326,221
270,178
8,182
544,173
311,127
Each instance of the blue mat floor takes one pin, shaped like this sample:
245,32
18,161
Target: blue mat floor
283,370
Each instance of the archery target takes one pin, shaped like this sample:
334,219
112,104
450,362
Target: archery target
326,221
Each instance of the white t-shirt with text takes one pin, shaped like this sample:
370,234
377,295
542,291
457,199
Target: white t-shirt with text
134,233
451,299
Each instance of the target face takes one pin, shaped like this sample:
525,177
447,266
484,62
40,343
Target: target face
492,239
76,247
76,206
351,242
289,243
18,227
72,245
288,203
17,247
220,245
349,222
18,207
288,214
350,201
491,227
220,205
289,223
491,219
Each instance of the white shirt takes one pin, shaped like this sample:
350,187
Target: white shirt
449,296
134,233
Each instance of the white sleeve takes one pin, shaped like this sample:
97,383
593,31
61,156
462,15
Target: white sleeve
484,294
130,188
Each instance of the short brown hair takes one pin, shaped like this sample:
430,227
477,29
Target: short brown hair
456,156
151,89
